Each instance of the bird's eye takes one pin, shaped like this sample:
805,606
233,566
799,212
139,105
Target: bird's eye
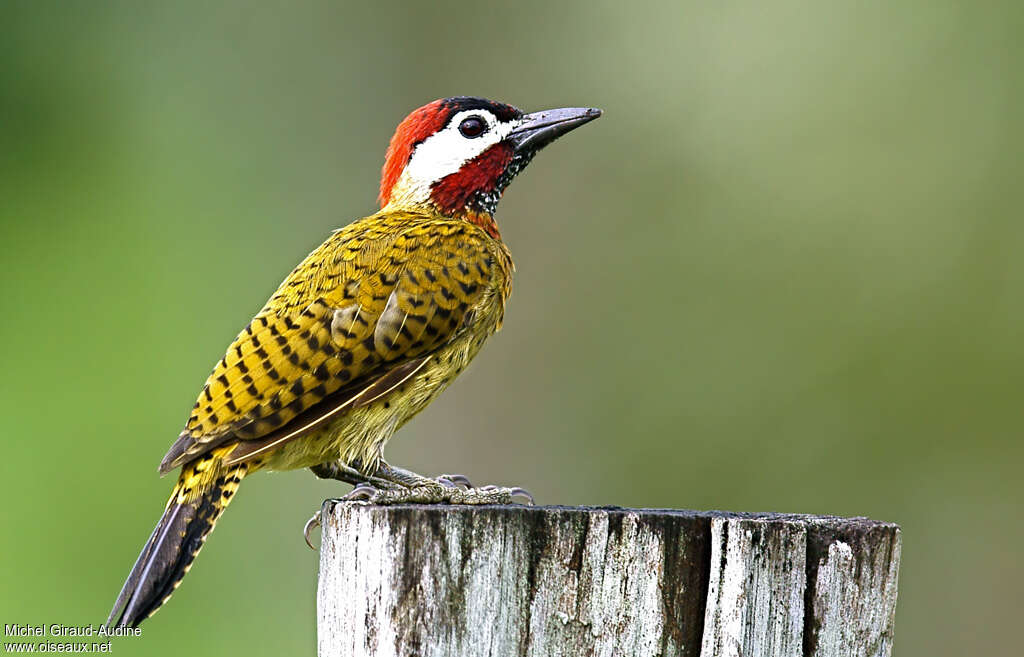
473,126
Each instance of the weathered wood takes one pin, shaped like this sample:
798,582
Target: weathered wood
447,581
851,588
755,601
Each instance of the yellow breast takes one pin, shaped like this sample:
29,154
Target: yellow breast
399,291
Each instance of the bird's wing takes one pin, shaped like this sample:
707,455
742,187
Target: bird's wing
346,326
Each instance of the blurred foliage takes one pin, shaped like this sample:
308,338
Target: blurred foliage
782,273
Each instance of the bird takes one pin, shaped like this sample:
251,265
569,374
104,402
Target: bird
360,337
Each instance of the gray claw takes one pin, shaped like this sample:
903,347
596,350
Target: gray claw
362,492
311,524
461,481
522,492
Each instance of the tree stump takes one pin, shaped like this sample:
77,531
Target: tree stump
509,581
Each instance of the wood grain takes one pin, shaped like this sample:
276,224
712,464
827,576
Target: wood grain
446,581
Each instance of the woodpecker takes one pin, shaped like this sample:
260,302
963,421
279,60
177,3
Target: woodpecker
359,338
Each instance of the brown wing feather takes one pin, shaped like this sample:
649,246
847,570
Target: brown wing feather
362,308
327,410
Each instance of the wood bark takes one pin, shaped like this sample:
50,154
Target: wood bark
447,581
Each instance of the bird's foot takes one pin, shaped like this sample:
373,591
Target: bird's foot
357,493
399,486
446,489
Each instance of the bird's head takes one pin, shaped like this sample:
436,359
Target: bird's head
457,155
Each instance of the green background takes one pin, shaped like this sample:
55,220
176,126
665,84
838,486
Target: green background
783,272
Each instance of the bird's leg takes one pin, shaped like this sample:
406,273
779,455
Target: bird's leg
410,479
340,471
343,472
392,485
401,476
409,487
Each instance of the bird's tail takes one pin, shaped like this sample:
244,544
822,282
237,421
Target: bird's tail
203,491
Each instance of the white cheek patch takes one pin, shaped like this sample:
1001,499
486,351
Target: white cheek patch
444,153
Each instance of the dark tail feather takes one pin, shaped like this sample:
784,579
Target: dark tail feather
171,549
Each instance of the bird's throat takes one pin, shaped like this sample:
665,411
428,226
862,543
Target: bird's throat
485,221
475,187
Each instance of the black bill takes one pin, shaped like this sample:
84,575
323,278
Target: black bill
541,128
